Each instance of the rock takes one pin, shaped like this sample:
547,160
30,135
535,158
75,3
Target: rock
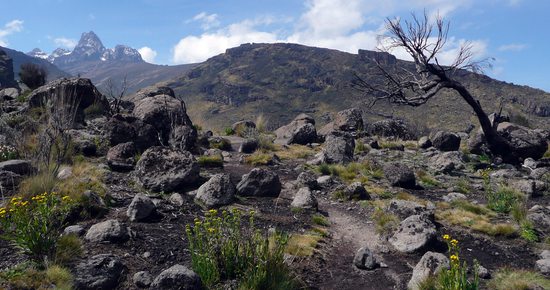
307,179
477,143
69,92
242,127
141,208
524,142
545,254
100,272
121,129
539,173
111,231
350,120
406,208
217,191
177,277
142,279
505,174
483,272
65,173
9,180
94,203
248,146
325,181
163,112
452,196
392,128
447,162
122,157
21,167
176,199
7,77
431,263
9,94
424,142
259,182
543,266
400,175
300,131
540,217
357,191
183,137
150,91
532,188
304,199
165,169
217,142
339,148
413,234
445,141
364,259
77,230
530,163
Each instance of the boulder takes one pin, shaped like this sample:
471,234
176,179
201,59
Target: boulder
414,233
364,259
524,142
300,131
406,208
141,208
452,196
424,142
307,179
65,172
357,191
540,217
350,120
9,94
165,169
9,180
339,148
392,128
242,127
532,188
150,91
400,175
259,182
122,129
76,230
70,92
543,265
100,272
142,279
94,203
7,77
447,162
217,191
248,146
20,167
430,264
84,142
177,277
122,157
183,137
445,141
304,199
111,231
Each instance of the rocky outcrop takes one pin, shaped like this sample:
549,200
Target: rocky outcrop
122,157
338,148
400,175
392,128
217,191
100,272
525,142
164,169
259,182
183,137
445,141
150,92
350,120
300,131
122,129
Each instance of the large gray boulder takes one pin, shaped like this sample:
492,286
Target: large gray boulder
300,131
9,180
150,91
79,92
122,129
445,141
400,175
304,199
524,142
259,182
141,208
100,272
392,128
217,191
183,137
122,157
177,277
338,148
430,264
364,259
18,166
111,231
447,162
350,120
406,208
165,169
414,233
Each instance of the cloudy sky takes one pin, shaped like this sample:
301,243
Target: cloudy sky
514,33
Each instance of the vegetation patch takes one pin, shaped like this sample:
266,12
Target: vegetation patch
386,222
303,245
508,278
295,151
260,158
503,199
210,161
477,222
427,179
351,172
25,276
320,220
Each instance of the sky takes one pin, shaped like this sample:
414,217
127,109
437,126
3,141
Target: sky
513,34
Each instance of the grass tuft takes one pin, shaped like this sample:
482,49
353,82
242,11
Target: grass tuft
507,278
210,161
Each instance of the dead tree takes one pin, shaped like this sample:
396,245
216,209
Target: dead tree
424,40
116,93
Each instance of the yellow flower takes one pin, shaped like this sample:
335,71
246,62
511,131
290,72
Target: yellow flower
211,230
252,212
454,242
24,203
66,198
213,212
454,258
446,237
198,223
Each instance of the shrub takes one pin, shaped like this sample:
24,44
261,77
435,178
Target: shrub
221,143
228,131
456,277
25,276
69,248
32,75
527,229
210,161
33,225
223,247
426,179
8,152
503,199
38,184
260,158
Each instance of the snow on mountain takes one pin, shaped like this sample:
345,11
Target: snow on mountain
37,52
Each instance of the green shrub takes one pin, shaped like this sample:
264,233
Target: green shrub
426,179
463,185
228,131
223,247
210,161
503,199
320,219
360,147
8,152
26,276
33,225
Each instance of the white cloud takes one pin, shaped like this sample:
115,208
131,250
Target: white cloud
208,21
512,47
8,29
65,42
148,54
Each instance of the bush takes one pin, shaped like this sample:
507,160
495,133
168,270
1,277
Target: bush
33,225
223,247
385,222
503,199
228,131
32,75
8,152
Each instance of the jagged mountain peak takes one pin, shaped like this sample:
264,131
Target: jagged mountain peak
89,45
37,52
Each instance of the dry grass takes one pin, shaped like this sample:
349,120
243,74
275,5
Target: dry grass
352,172
303,245
477,222
295,151
511,279
259,158
210,161
86,176
547,153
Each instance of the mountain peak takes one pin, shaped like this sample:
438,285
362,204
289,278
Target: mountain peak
37,52
89,46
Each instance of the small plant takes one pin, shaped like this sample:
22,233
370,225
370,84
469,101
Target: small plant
360,147
456,278
426,179
527,229
385,222
260,158
228,131
224,247
68,248
33,225
210,161
503,199
8,152
26,276
320,219
463,185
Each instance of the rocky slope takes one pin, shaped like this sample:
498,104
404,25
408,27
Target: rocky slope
282,80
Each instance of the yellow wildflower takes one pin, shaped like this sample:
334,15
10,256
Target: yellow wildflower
252,212
211,230
446,237
213,212
66,198
454,258
24,203
454,242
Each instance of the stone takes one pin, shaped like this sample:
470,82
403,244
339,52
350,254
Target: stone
414,233
406,208
217,191
100,272
364,259
65,173
532,188
94,203
111,231
307,179
400,175
9,180
445,141
540,172
356,191
430,264
21,167
424,142
150,91
543,266
259,182
525,142
483,272
77,230
452,196
392,128
300,131
141,208
183,137
339,148
142,279
325,181
350,120
164,169
9,93
248,146
447,162
177,277
540,217
122,129
176,199
122,157
242,127
304,199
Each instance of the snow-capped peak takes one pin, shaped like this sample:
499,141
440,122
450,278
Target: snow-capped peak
37,52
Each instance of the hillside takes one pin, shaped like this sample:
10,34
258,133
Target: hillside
20,58
280,81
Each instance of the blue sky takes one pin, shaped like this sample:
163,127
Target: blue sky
513,32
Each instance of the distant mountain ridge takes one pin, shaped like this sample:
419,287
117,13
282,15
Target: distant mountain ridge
20,58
